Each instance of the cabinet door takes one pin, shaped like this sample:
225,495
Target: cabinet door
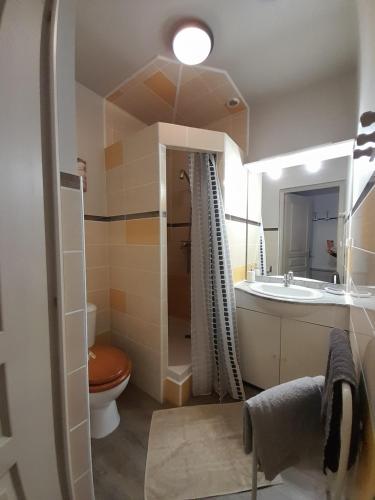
259,339
304,349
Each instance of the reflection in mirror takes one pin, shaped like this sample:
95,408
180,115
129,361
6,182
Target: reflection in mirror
303,213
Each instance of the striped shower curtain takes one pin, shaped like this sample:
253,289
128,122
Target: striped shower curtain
214,340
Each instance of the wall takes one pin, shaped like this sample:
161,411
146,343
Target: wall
98,121
236,126
75,341
242,205
361,263
136,278
321,113
179,230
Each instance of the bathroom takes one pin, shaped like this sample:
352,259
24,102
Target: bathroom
248,173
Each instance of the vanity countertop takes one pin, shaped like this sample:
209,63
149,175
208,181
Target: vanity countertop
326,299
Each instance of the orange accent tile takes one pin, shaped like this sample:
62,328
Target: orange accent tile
113,155
162,87
117,300
143,231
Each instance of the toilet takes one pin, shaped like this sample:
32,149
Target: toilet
109,374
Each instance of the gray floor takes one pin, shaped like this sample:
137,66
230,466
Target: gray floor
119,460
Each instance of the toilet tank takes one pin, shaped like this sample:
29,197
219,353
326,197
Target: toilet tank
91,324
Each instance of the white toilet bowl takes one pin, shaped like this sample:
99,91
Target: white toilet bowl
109,374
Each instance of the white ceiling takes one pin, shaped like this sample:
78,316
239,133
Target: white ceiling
267,46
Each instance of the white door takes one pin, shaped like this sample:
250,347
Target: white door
296,234
28,456
259,341
304,349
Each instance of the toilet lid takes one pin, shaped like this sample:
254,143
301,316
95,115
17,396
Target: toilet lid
107,363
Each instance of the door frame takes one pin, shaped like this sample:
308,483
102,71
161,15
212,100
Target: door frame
340,220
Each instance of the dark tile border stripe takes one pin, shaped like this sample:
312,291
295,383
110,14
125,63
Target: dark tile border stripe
270,229
241,219
70,180
111,218
178,224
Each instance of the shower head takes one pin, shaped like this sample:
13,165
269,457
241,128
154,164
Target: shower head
183,174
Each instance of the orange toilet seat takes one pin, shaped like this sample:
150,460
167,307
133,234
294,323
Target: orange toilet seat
108,367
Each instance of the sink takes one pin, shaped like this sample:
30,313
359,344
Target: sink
292,292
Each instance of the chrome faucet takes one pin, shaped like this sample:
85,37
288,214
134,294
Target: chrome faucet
288,278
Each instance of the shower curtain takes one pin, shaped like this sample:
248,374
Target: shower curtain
214,340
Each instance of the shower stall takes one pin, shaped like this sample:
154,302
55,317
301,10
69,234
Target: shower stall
178,253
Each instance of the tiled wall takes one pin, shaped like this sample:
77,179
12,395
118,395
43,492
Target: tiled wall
236,126
242,202
74,338
361,260
135,280
97,272
179,229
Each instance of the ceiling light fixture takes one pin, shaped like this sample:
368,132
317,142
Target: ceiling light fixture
192,43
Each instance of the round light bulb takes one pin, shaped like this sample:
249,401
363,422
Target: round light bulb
192,45
275,173
313,167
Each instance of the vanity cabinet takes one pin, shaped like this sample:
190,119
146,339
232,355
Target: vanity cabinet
259,342
274,350
303,349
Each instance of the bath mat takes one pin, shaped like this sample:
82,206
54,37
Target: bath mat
196,452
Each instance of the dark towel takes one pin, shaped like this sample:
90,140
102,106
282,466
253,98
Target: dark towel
340,368
286,424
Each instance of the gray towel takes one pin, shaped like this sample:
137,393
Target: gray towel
286,424
340,368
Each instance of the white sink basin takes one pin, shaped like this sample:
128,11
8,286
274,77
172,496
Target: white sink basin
292,292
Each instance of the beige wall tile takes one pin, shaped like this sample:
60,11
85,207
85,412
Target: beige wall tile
141,172
77,397
205,140
71,206
141,144
146,308
142,332
97,255
362,224
362,267
143,257
103,338
186,390
76,351
83,488
116,203
100,298
117,300
117,232
146,372
142,283
142,199
103,321
74,293
143,231
96,232
115,179
172,392
97,278
113,155
80,450
172,135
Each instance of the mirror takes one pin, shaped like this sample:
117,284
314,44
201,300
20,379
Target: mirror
303,213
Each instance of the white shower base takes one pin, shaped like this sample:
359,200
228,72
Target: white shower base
179,349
